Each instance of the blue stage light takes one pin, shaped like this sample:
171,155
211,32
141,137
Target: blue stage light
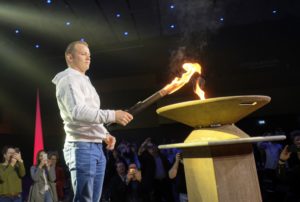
261,122
118,15
125,33
221,19
172,6
172,26
17,31
49,1
274,11
37,46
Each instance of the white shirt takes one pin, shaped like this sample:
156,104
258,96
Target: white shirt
79,106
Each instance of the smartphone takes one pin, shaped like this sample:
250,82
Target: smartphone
293,148
131,170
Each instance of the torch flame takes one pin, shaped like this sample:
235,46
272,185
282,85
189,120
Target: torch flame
199,91
178,83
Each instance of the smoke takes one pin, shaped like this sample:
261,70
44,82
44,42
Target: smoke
197,20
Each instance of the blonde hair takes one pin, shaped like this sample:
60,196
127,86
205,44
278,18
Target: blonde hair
71,47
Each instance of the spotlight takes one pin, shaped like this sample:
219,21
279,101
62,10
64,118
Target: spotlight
49,1
261,122
221,19
17,31
125,33
172,6
37,46
68,23
172,26
118,15
274,11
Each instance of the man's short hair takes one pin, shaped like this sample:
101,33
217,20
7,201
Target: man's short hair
70,48
5,148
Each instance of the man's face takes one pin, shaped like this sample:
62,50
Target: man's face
10,152
120,168
80,58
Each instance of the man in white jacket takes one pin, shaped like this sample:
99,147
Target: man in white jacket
79,106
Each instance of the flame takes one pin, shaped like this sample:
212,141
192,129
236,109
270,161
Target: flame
178,83
199,91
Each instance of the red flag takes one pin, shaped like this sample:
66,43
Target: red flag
38,136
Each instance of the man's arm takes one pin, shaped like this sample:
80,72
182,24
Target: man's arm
20,165
71,95
21,169
35,173
173,171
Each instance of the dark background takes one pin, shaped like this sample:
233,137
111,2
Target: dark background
252,49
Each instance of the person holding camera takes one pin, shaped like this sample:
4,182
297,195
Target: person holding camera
133,181
177,173
43,176
289,167
11,172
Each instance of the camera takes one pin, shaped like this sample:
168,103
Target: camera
131,170
293,148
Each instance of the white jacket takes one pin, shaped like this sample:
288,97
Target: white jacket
79,106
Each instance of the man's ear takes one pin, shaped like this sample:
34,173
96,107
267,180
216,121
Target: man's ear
69,57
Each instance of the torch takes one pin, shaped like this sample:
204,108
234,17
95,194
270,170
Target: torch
141,105
175,85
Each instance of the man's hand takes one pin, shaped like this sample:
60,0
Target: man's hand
122,117
110,141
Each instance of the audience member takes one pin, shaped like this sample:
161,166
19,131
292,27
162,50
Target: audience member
177,173
43,176
59,173
156,184
272,151
117,191
289,167
11,172
133,182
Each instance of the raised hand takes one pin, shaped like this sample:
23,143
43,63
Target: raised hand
285,154
18,157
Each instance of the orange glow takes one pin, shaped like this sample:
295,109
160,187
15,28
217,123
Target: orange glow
178,83
199,91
